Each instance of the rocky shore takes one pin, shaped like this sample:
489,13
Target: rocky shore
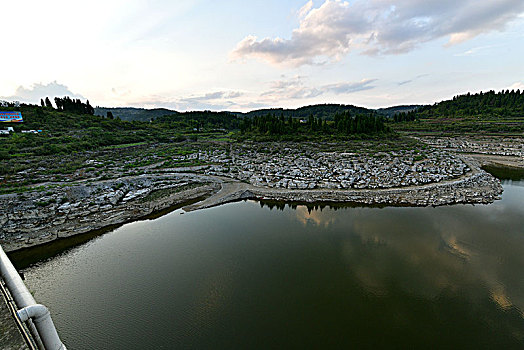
476,187
304,168
36,217
487,150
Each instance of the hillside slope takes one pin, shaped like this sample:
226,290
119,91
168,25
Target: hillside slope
320,111
131,113
482,112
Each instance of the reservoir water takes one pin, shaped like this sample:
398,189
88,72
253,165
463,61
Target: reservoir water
250,275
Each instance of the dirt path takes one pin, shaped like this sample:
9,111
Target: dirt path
485,159
229,191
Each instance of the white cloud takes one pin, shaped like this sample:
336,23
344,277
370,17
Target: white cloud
212,96
280,91
519,85
296,88
379,27
39,91
218,100
347,88
305,9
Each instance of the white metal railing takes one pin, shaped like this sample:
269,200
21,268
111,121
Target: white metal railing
37,316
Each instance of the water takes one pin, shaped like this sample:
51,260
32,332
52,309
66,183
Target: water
246,276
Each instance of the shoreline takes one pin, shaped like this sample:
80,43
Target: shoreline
476,187
98,205
497,160
54,224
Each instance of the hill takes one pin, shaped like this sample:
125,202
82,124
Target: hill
132,114
66,133
320,111
481,112
391,111
200,120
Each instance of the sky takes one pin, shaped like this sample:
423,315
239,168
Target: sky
244,55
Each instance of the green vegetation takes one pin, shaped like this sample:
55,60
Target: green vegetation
66,132
67,104
483,112
320,111
344,125
198,121
76,144
134,114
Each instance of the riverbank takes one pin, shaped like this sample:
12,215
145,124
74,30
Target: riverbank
35,218
475,187
209,271
487,150
404,173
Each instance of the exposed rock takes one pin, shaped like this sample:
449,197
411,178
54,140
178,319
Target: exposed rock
89,206
395,178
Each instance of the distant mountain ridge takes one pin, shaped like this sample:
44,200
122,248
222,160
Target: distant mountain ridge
391,111
319,111
133,113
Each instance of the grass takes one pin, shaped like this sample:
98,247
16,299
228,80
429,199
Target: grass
463,124
124,145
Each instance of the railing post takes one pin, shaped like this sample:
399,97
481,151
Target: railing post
38,317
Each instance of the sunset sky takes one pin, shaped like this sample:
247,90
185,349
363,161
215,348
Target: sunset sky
244,55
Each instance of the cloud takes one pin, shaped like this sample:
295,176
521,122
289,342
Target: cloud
37,91
476,51
519,85
409,81
218,100
295,88
347,88
292,88
378,27
405,82
304,10
212,96
285,89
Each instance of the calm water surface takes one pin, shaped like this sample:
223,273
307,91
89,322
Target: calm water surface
246,276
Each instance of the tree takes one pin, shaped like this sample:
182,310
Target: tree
42,103
58,103
110,115
48,102
89,109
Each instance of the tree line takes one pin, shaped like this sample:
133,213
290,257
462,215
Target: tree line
504,103
67,104
199,120
405,116
345,123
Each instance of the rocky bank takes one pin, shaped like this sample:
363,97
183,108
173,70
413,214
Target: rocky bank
34,218
62,210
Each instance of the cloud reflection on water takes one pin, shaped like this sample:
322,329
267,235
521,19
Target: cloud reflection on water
425,251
